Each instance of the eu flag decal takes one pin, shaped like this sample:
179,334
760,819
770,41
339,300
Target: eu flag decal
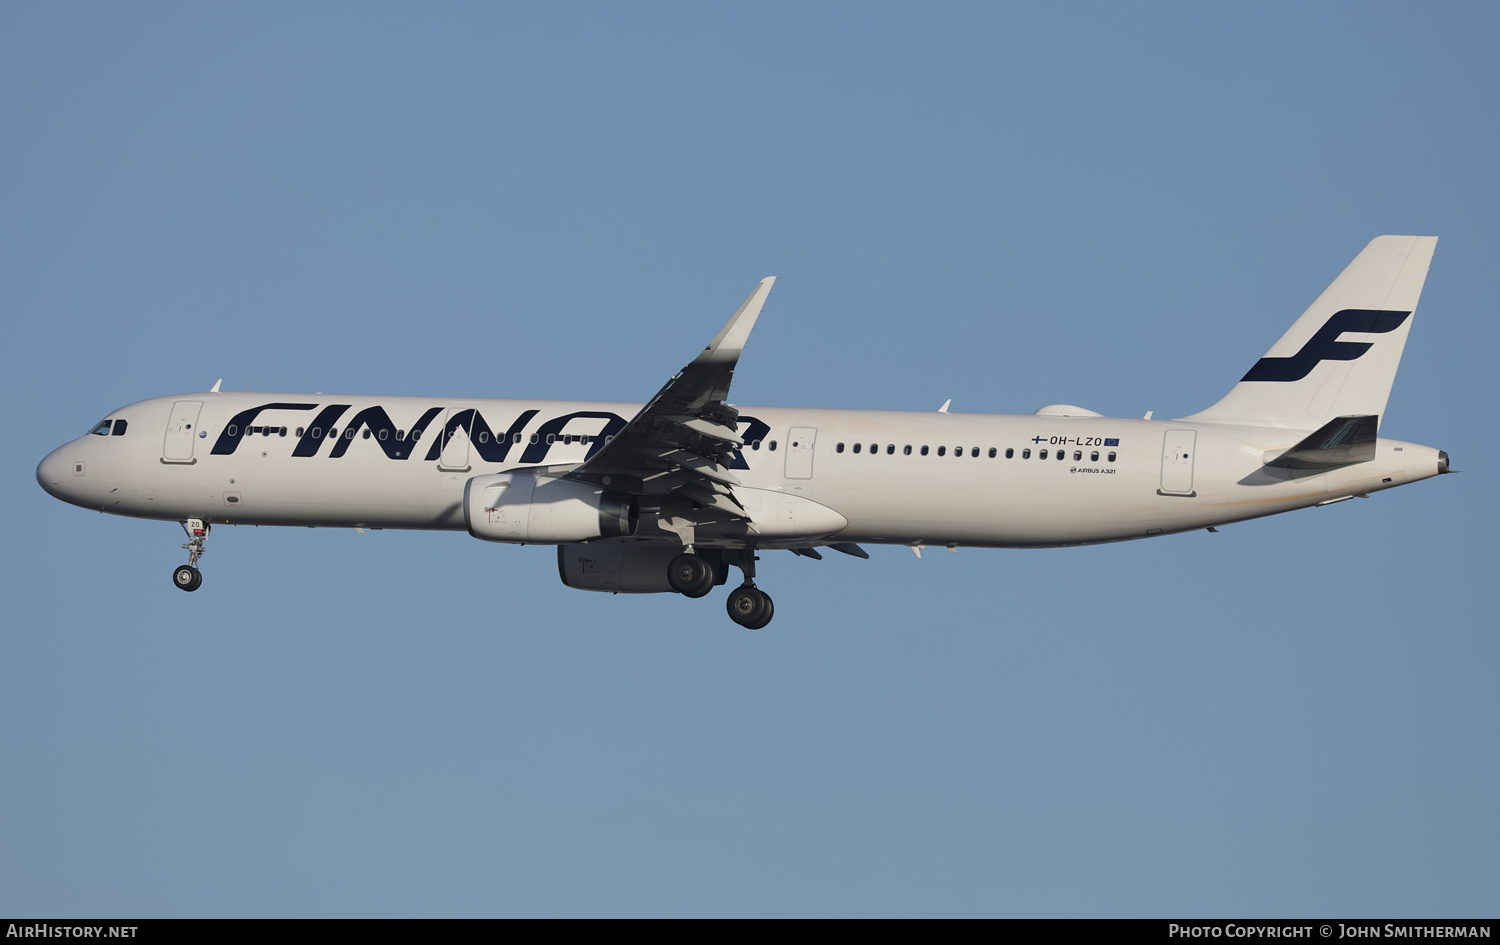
1112,442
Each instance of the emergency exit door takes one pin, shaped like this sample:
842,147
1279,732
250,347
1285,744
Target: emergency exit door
455,452
799,453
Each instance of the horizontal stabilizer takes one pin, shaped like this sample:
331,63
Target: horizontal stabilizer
1342,441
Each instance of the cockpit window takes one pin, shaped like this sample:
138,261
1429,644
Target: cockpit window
103,428
119,428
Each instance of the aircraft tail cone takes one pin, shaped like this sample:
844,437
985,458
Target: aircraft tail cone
1443,463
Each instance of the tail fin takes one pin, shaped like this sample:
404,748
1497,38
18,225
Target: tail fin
1312,375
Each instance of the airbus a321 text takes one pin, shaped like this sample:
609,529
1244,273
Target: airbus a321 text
669,496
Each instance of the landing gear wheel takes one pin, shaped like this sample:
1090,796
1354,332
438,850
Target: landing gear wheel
690,575
187,577
750,607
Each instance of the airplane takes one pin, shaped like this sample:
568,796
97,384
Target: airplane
669,496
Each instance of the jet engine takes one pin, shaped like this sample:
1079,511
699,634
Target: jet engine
616,568
519,507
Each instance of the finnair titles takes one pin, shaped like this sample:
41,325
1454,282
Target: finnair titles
672,495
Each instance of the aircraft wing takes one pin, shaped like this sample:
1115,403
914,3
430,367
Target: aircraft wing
682,441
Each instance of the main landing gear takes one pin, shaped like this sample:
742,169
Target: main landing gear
693,575
750,607
187,576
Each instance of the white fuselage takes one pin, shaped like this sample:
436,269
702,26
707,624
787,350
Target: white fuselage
320,460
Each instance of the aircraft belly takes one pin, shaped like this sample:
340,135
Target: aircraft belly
1046,506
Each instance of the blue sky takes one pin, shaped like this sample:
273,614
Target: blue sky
1115,205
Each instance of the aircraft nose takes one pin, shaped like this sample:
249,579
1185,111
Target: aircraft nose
50,472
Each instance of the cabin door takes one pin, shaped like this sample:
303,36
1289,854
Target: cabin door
182,430
1177,454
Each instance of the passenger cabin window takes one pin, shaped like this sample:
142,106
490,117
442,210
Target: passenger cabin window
1026,454
942,451
974,453
1077,455
1041,454
1062,454
906,450
1111,456
1094,456
1010,452
874,448
119,428
890,449
924,451
992,452
772,446
858,447
839,448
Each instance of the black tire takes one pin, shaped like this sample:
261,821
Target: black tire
690,575
187,577
766,617
750,607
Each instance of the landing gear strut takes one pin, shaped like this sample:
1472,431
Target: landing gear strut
748,605
187,576
694,574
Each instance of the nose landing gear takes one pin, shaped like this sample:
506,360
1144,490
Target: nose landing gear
187,576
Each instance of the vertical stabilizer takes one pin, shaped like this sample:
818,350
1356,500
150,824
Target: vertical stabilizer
1340,358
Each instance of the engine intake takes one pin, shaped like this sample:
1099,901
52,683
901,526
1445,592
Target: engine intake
519,507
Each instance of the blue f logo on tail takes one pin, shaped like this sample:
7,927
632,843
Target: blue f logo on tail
1323,346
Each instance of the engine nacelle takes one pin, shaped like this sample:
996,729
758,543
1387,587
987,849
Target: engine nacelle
523,508
616,568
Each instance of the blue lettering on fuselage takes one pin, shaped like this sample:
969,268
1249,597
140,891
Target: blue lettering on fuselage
239,426
754,432
492,446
